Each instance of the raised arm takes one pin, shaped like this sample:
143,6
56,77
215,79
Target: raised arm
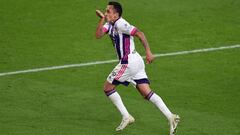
149,55
99,31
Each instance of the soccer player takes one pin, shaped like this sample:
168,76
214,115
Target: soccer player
131,68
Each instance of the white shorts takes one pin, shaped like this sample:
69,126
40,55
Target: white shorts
133,72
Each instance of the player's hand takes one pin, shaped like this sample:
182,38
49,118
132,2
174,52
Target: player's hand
149,58
99,14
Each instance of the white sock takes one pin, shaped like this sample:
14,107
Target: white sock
117,101
155,99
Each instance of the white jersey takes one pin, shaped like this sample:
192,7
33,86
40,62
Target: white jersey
121,34
131,67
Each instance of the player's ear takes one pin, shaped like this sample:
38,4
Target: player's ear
116,15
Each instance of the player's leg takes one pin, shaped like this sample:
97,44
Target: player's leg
140,81
110,91
110,85
146,91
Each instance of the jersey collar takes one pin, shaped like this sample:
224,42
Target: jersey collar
116,21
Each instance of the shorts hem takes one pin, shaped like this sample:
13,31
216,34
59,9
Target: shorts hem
116,82
142,81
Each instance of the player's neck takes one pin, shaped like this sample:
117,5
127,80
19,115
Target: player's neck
115,20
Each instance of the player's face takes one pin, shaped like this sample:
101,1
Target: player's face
110,14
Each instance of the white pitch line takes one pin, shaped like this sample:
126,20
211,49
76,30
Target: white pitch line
112,61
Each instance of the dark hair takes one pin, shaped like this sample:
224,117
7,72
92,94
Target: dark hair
117,6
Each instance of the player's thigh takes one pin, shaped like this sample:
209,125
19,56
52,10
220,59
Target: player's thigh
108,86
120,74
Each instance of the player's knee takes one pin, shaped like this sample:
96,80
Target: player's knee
144,89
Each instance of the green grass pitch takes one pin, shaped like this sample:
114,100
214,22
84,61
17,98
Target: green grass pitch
203,88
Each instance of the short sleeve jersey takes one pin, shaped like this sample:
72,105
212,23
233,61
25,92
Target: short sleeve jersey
121,34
